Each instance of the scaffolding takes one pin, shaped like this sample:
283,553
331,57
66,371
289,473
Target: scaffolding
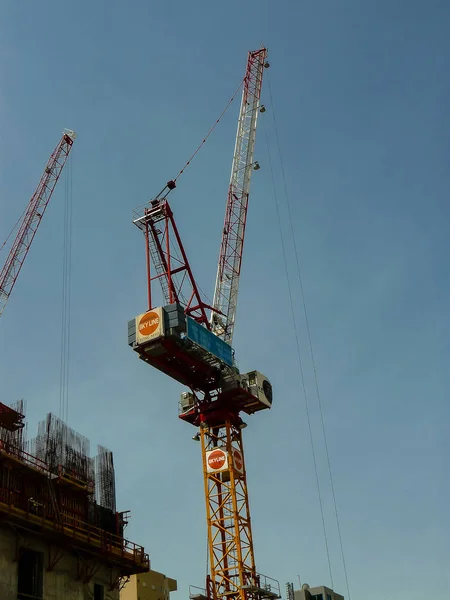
64,451
105,479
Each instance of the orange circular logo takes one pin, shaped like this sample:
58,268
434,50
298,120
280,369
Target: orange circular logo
216,459
149,323
237,459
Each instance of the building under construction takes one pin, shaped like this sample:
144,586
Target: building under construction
60,533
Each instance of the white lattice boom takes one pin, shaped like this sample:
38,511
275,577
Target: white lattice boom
230,259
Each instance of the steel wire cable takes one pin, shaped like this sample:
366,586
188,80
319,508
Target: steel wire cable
13,229
66,289
310,344
300,361
210,131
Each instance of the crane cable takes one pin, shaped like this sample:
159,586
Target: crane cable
300,361
210,131
66,289
207,565
13,229
166,188
312,355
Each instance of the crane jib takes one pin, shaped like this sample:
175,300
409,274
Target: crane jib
231,249
33,216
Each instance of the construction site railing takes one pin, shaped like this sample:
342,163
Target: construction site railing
76,530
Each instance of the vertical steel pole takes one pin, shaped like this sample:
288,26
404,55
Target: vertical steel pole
147,257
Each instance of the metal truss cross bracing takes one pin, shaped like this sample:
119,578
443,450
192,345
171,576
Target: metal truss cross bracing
232,563
33,217
230,259
164,249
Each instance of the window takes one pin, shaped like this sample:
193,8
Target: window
317,597
99,592
30,575
329,597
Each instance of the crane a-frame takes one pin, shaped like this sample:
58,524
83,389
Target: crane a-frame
180,340
33,216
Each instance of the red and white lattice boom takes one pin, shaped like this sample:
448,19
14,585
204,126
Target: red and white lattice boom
230,259
33,216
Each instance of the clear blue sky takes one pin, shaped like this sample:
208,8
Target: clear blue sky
361,94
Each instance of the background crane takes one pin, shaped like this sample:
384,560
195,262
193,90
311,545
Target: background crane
33,216
179,340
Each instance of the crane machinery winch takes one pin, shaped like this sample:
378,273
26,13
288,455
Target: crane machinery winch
180,340
33,216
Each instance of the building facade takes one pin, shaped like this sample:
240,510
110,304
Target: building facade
316,593
148,586
31,569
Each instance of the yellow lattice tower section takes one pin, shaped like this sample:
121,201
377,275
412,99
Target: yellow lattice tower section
232,563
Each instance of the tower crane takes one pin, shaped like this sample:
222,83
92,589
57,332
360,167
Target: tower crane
180,340
33,216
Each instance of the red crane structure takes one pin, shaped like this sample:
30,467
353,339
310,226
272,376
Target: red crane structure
180,340
33,216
